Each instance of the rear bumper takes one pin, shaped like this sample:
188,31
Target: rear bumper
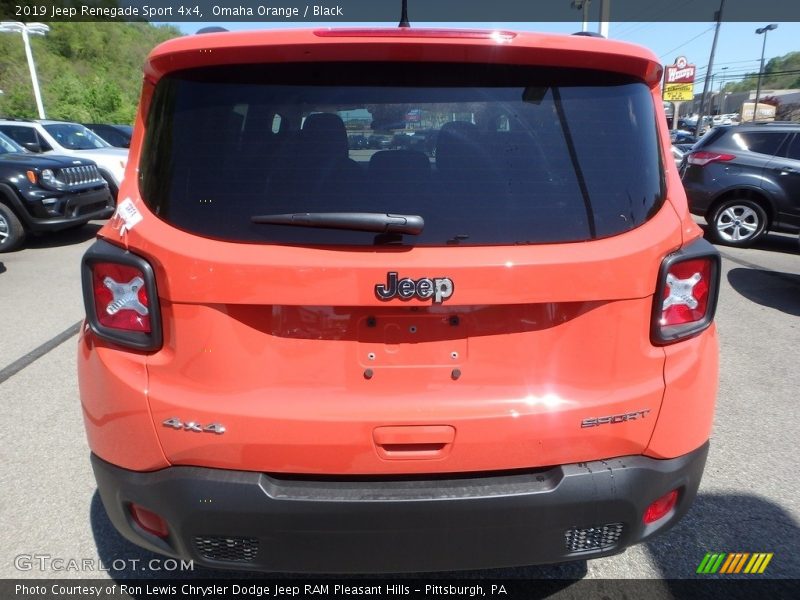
255,521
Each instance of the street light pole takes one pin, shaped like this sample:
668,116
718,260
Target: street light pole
720,93
26,29
759,31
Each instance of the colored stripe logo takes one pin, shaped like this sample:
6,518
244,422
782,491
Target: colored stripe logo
751,563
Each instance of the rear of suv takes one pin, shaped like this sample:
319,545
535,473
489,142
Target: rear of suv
305,356
745,180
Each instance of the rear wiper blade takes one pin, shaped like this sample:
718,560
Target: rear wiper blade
355,221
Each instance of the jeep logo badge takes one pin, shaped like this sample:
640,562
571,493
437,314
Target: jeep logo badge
439,288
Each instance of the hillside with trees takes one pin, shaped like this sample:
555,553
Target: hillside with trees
780,73
89,72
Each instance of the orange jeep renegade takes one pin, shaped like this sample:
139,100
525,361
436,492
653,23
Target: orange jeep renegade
398,300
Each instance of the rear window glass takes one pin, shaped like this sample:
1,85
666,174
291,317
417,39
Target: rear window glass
761,142
485,154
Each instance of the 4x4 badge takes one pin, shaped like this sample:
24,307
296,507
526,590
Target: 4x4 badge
176,423
438,288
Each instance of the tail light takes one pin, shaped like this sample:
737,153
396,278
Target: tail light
119,293
686,293
701,158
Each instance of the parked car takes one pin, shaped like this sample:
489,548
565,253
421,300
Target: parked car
682,137
46,193
357,142
118,136
677,155
745,180
379,141
69,139
339,363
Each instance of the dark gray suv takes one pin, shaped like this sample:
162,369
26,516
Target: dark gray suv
745,180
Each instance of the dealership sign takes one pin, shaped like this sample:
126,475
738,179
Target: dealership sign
679,81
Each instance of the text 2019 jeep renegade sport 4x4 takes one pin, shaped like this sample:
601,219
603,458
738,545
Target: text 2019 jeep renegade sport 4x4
303,356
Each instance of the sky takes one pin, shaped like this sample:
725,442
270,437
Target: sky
738,47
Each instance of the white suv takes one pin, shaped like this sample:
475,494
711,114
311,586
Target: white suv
69,139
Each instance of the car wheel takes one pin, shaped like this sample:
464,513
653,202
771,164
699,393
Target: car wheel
12,233
737,222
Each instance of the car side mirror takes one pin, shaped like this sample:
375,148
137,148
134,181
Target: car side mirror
32,147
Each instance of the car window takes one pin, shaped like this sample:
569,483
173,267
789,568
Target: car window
761,142
112,137
8,145
21,135
793,150
75,137
487,155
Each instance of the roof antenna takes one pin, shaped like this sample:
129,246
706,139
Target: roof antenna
404,16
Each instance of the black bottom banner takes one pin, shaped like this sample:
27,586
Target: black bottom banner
411,589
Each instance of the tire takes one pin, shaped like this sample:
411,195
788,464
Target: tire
12,234
737,222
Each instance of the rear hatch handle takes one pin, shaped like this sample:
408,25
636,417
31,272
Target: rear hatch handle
354,221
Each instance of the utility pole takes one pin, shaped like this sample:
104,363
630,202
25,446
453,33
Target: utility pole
584,6
605,17
718,18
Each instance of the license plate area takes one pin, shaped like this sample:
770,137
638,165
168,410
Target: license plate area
411,340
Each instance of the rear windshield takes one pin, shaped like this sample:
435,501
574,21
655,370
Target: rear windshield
485,154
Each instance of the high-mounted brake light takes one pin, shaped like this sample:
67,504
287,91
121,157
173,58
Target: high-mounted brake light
701,158
119,292
473,34
686,293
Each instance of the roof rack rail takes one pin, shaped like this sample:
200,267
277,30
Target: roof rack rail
771,123
24,119
590,34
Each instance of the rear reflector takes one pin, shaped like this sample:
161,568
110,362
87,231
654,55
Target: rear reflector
660,508
686,293
702,158
149,521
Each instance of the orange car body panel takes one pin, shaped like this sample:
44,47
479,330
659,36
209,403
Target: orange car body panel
113,388
691,374
548,335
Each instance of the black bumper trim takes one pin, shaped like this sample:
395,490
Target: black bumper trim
358,525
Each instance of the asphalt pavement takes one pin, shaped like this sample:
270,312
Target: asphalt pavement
748,499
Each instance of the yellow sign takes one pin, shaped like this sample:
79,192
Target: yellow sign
677,92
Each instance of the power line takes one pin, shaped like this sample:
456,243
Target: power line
686,42
653,18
